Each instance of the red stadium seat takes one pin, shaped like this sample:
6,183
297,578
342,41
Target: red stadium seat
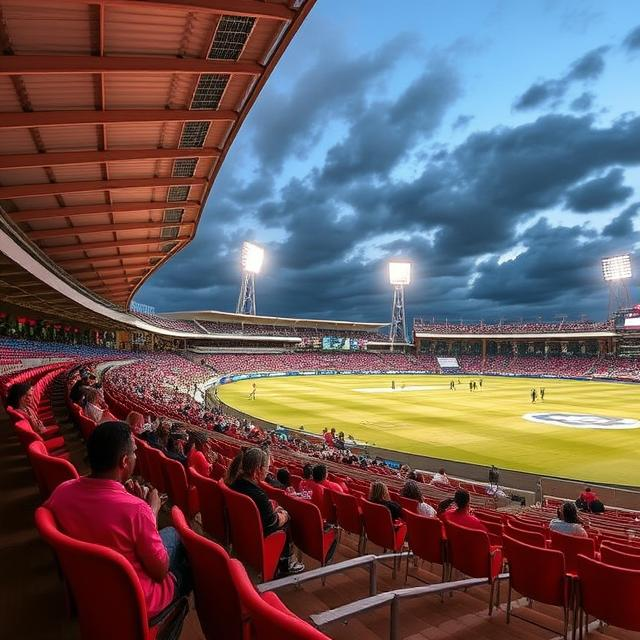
349,515
212,510
426,539
249,544
155,464
270,619
105,588
381,529
216,597
572,546
609,593
49,470
612,556
308,530
26,435
522,535
470,551
180,493
539,574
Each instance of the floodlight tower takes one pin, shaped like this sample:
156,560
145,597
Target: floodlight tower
616,271
252,257
399,277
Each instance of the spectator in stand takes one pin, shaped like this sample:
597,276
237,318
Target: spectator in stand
20,398
319,474
328,436
174,448
92,402
135,420
379,494
284,478
568,521
246,472
306,484
440,477
586,498
198,456
77,391
412,491
105,508
458,511
596,506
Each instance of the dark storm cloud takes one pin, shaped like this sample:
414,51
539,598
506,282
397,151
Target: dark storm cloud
583,102
622,225
587,68
461,121
632,41
599,193
333,87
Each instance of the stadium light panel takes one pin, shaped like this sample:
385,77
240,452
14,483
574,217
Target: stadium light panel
616,268
400,273
252,257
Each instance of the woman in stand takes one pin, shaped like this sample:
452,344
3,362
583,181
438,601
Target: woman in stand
412,490
20,399
245,473
568,521
379,494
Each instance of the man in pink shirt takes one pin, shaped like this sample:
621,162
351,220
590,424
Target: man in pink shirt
99,509
319,475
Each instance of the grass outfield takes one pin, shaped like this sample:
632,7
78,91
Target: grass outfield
484,427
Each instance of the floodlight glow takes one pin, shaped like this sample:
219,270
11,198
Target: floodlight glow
616,268
252,257
400,273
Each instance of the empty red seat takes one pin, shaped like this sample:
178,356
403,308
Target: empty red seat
572,546
618,558
180,493
212,510
426,539
381,529
49,470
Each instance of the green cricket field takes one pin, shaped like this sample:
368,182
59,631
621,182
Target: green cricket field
582,429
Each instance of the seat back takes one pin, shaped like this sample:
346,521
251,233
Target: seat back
609,593
270,621
142,464
408,504
211,506
175,478
528,537
572,546
348,514
155,460
379,525
623,548
307,528
50,471
26,435
617,558
426,536
105,587
14,414
536,572
469,551
220,616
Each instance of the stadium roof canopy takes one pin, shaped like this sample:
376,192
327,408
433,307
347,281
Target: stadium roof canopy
221,316
116,116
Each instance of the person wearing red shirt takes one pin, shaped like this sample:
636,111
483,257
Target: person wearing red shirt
319,475
105,508
197,454
457,511
587,497
306,484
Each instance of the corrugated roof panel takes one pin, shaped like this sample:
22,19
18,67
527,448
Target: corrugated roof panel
137,216
138,169
203,168
27,204
77,137
236,90
10,177
89,197
8,97
143,194
48,27
55,92
17,141
136,30
138,91
264,33
57,222
140,135
77,172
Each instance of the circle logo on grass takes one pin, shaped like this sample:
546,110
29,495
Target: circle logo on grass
582,420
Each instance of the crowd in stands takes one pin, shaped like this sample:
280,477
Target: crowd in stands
566,326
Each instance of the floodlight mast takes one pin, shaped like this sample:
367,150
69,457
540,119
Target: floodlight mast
399,276
252,257
616,272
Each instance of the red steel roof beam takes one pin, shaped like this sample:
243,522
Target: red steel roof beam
84,262
112,244
27,119
101,228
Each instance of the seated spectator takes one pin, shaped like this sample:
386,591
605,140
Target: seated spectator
173,451
319,474
596,506
20,398
78,389
92,405
106,508
246,471
440,477
585,499
412,490
568,522
197,455
379,494
458,511
284,478
306,484
135,420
